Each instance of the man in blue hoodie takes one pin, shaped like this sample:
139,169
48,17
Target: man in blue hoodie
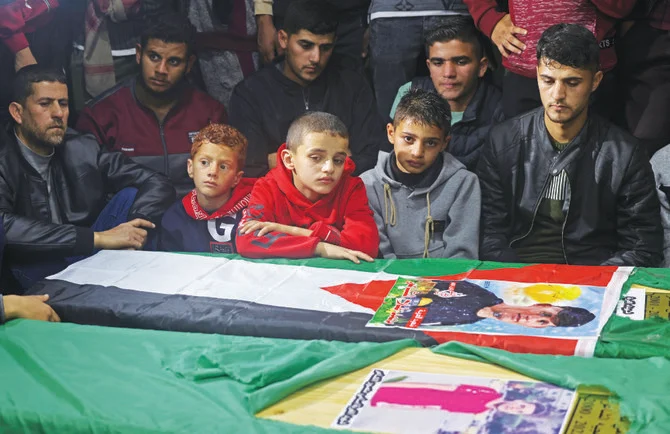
457,64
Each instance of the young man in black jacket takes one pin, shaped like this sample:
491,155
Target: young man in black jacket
560,185
264,105
457,65
54,185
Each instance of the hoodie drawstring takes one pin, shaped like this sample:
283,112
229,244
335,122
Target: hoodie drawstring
429,228
388,203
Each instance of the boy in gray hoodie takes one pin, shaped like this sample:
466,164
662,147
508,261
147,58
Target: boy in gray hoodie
425,203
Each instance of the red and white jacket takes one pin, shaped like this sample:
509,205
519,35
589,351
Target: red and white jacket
342,217
121,123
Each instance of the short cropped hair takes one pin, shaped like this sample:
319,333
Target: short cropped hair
170,28
315,16
460,28
572,317
222,135
314,122
26,76
570,45
424,107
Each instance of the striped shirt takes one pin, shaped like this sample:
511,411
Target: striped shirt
544,242
558,185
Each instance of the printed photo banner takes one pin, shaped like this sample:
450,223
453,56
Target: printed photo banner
212,294
417,402
496,307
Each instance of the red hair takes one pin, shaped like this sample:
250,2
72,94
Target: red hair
222,135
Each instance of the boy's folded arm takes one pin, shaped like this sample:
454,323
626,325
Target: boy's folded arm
275,244
252,244
326,233
359,231
266,227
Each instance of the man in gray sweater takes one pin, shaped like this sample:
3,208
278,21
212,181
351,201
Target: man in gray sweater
425,203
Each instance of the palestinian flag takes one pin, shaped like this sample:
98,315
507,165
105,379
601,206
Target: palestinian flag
214,294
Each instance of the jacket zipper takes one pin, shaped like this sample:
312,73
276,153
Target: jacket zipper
565,221
165,151
162,132
48,191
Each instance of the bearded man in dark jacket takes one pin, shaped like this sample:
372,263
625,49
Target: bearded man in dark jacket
560,185
263,106
55,182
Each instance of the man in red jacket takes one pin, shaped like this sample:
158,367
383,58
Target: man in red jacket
310,205
154,117
517,30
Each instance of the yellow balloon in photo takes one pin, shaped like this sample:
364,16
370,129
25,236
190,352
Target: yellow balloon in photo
551,293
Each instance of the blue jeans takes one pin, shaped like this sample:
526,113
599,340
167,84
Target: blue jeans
113,214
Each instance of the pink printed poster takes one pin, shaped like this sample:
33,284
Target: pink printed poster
417,402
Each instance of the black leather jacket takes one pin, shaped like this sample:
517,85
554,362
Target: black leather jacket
81,178
613,214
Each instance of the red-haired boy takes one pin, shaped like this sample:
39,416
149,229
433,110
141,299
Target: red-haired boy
206,219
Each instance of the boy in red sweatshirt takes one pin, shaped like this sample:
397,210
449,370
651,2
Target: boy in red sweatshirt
310,205
206,219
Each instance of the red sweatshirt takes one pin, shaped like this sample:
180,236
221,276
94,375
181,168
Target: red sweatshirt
343,217
599,16
18,17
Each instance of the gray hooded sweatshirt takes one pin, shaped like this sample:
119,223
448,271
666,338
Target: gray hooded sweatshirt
440,221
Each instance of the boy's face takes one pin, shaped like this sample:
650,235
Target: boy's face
317,164
214,171
416,145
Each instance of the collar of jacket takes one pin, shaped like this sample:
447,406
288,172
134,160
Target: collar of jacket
13,143
186,88
471,111
586,138
291,86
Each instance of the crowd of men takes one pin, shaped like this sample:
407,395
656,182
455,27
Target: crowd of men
529,139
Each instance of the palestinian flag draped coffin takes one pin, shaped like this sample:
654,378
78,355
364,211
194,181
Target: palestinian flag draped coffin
210,294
